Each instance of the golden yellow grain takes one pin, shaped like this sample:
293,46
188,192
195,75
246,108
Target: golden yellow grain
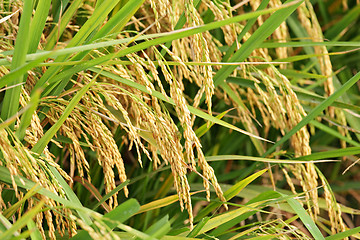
49,221
93,234
221,12
281,34
289,181
39,223
334,211
309,20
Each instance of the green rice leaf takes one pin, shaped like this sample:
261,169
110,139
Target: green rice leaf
265,160
331,154
344,234
247,27
227,216
198,227
135,233
5,224
304,216
34,231
38,23
160,228
11,210
21,222
12,95
20,71
229,194
309,44
344,23
120,214
65,19
118,21
81,36
159,203
111,193
334,133
206,127
27,116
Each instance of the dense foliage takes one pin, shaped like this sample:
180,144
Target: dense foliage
179,119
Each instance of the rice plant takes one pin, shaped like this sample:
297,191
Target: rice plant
146,119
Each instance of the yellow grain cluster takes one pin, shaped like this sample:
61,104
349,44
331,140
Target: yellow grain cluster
20,162
309,20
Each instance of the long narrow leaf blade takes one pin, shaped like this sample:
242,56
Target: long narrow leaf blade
12,95
305,217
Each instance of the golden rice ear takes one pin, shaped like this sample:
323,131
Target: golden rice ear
312,26
176,93
334,210
281,34
20,161
289,180
221,11
283,111
309,20
162,11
